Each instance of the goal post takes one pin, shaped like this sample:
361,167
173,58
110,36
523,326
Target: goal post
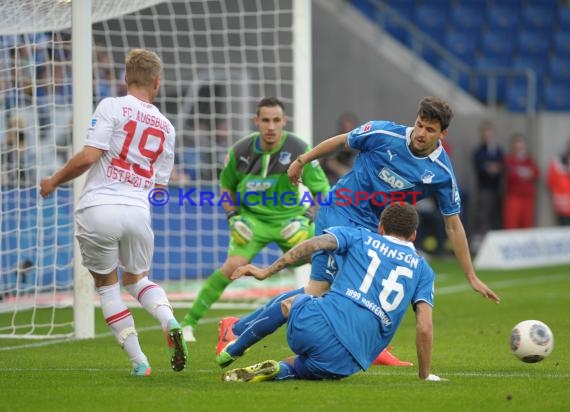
220,58
81,52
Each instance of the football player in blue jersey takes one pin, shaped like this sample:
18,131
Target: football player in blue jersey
394,163
339,333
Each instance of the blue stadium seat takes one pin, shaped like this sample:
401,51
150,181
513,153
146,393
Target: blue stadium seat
562,43
432,19
537,16
462,45
563,18
556,97
366,7
481,89
467,16
559,68
517,98
503,16
460,78
537,42
497,42
536,63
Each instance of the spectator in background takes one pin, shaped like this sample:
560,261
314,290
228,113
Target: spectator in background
521,174
489,167
341,162
559,185
17,160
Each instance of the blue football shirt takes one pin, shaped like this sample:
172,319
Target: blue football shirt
380,277
385,170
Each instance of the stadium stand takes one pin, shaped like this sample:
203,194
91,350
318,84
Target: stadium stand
498,38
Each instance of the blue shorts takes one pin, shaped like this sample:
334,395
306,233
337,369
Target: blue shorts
323,265
320,355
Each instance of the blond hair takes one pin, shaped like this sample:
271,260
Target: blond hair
142,67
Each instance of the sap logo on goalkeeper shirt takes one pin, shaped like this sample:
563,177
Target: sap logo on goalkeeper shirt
259,185
393,179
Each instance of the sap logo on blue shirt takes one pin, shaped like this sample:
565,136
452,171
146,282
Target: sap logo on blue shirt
393,179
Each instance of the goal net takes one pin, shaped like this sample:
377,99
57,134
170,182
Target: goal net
220,57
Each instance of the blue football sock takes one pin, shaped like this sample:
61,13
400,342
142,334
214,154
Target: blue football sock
266,323
286,371
244,322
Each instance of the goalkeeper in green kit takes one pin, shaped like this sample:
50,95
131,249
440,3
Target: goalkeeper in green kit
265,207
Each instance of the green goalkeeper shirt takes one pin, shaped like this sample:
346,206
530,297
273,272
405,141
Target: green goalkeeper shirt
260,182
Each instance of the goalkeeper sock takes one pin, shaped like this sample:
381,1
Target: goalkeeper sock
207,296
121,322
266,323
153,298
244,322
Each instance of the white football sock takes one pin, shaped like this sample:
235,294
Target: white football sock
121,322
153,298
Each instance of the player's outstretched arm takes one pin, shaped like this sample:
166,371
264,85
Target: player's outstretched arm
424,341
75,167
299,253
456,234
326,147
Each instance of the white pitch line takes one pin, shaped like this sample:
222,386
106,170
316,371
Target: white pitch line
446,290
480,374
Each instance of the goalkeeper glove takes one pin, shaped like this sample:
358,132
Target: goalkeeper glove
240,229
298,229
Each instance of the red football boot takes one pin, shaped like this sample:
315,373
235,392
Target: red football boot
385,358
225,333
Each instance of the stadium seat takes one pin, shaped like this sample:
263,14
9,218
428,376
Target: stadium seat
366,7
563,18
562,43
503,16
535,63
537,16
481,88
462,45
460,78
467,16
497,42
432,19
556,97
517,98
532,41
559,68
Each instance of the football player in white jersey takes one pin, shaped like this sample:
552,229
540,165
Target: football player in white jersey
129,151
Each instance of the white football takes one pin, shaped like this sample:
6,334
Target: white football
531,341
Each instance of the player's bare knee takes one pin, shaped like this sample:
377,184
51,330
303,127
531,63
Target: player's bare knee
286,306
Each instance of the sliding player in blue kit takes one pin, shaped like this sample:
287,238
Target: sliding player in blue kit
394,163
340,333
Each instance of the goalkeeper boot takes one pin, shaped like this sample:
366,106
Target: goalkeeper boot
225,333
142,369
188,332
385,358
176,346
260,372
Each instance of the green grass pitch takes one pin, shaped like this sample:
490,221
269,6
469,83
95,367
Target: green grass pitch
470,349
